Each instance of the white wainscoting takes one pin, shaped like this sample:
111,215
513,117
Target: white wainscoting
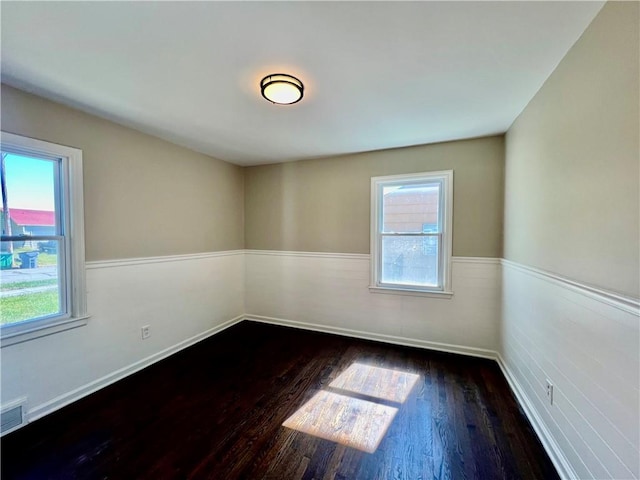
183,298
329,292
585,341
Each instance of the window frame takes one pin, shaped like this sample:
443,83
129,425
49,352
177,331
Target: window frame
71,269
443,290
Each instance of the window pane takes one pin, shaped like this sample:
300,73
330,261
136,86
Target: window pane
31,201
410,260
409,208
30,284
29,281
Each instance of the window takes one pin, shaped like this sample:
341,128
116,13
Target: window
42,246
411,217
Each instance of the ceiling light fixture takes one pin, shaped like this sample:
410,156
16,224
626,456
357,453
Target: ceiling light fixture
281,88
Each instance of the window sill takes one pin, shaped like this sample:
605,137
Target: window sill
38,331
410,292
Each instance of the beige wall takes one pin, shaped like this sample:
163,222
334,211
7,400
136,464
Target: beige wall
323,205
572,208
143,196
572,161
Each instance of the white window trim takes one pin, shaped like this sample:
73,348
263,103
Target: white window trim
447,238
74,222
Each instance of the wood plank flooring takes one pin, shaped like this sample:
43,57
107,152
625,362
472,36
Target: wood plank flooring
215,411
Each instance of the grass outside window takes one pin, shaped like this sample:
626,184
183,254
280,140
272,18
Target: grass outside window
23,307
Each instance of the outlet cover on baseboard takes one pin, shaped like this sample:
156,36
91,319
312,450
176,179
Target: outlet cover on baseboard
145,331
549,391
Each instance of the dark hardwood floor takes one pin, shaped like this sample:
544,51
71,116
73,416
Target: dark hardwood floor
215,411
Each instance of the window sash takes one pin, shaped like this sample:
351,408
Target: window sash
69,207
440,263
445,206
64,280
431,182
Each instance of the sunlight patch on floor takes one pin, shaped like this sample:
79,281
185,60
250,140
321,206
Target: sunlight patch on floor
349,421
377,382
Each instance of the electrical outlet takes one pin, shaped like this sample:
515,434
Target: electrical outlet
146,332
550,391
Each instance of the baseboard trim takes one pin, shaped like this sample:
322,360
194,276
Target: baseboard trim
61,401
559,460
407,342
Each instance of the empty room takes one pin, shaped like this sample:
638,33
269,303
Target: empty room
320,240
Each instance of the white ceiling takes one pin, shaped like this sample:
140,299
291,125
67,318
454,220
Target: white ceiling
377,74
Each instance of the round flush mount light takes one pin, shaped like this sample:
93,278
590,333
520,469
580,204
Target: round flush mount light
281,88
